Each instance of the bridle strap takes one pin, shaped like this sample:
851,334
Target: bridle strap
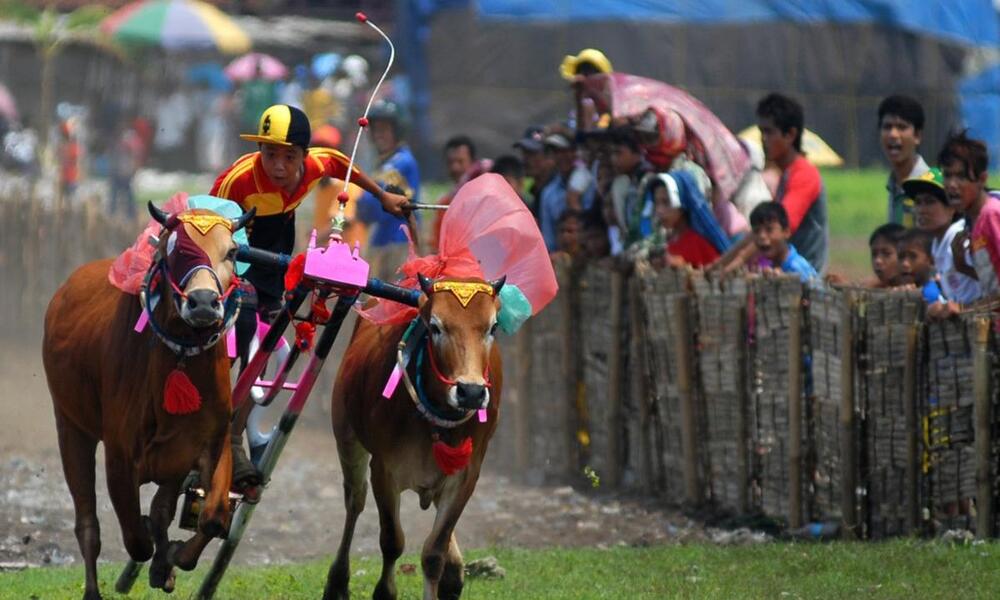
445,380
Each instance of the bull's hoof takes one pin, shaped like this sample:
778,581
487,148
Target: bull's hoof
176,558
213,528
162,576
92,595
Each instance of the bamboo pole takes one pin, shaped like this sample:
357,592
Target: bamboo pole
795,412
984,461
638,331
685,386
743,413
912,431
613,460
848,454
522,437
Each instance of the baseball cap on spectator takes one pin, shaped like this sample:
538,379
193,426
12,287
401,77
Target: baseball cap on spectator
931,182
532,140
557,141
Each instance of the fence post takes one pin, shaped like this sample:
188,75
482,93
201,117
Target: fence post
795,412
522,436
984,461
685,386
743,414
912,429
848,454
615,363
638,346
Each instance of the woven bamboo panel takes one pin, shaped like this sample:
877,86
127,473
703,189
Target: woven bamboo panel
948,423
660,293
826,331
40,247
596,341
722,378
544,388
883,322
773,304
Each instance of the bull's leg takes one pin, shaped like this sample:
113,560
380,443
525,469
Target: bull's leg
391,538
124,493
161,513
77,450
354,466
453,576
215,516
440,559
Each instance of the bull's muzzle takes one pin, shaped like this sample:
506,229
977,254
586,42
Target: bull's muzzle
202,308
471,396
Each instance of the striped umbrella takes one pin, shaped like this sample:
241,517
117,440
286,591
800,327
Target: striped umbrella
176,25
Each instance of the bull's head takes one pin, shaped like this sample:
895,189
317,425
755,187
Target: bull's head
461,319
200,261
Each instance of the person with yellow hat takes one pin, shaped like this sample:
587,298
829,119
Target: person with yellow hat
274,180
589,61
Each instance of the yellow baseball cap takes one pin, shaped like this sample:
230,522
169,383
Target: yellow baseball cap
283,125
594,57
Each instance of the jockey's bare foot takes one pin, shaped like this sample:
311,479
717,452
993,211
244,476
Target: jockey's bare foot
246,477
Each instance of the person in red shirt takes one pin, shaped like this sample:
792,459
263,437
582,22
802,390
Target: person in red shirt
685,246
275,180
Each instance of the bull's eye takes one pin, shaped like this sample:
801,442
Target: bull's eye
435,329
231,255
493,330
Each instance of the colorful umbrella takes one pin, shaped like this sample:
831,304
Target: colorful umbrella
8,107
817,151
324,65
176,25
256,66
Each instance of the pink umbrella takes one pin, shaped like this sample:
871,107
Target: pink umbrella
256,65
8,108
630,95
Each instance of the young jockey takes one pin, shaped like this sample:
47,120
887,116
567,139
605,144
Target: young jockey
275,180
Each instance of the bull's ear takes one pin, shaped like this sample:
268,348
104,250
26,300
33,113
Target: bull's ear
498,285
426,283
245,218
158,215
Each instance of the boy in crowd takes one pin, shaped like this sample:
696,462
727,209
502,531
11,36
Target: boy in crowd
630,210
885,260
569,229
511,169
935,215
963,165
916,264
771,235
800,189
900,125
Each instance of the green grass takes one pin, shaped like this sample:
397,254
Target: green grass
897,569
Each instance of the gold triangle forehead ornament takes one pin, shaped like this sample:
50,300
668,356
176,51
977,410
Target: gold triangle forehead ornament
464,291
204,223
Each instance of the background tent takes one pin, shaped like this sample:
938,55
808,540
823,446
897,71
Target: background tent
492,65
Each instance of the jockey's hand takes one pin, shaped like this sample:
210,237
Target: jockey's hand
395,204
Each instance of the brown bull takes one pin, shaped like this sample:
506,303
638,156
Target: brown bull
107,385
459,374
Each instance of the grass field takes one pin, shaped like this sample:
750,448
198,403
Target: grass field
898,569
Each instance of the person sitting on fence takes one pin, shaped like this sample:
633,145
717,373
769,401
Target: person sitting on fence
885,261
771,234
900,124
685,244
935,215
916,264
963,164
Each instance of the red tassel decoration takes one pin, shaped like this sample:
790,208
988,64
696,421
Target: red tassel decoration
180,396
452,460
294,273
304,333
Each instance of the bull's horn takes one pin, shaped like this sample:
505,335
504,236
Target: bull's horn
158,215
245,218
426,284
498,285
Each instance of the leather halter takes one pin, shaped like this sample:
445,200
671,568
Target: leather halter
186,347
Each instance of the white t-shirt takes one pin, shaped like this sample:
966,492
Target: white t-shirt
957,287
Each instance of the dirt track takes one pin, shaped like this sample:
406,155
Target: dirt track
301,513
